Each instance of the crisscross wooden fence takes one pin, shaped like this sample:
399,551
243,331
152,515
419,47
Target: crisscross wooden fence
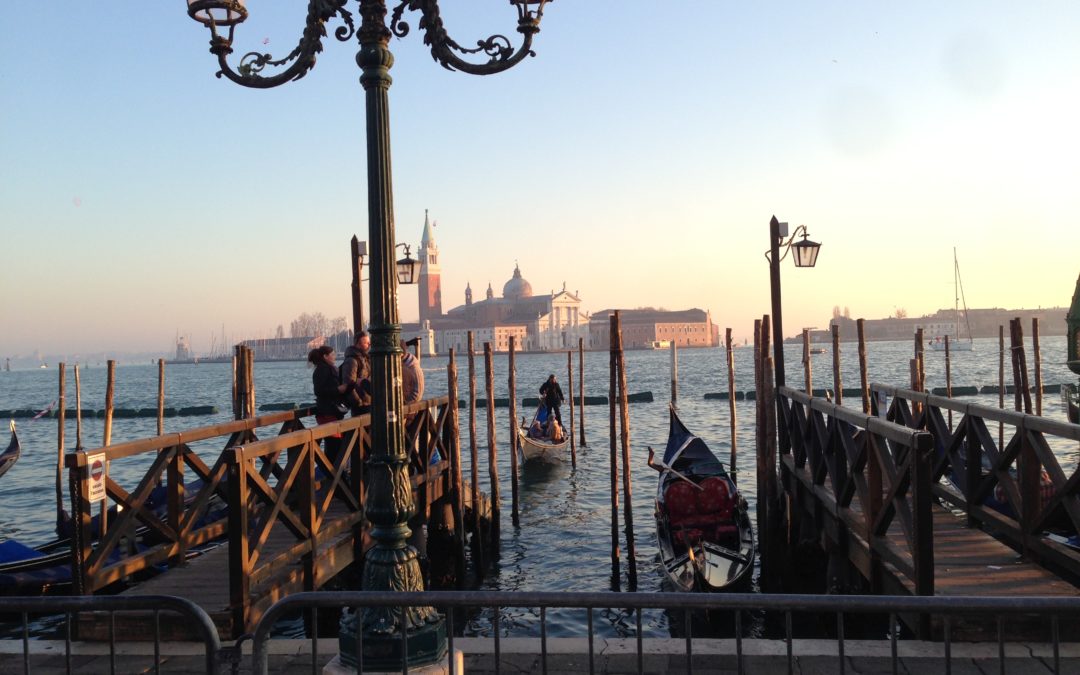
160,506
303,523
871,478
1019,490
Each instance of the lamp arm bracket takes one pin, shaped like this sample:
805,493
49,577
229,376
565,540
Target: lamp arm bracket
249,71
498,48
785,246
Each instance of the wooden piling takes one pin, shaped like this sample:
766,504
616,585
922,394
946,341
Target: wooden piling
236,382
864,377
624,429
807,368
948,376
838,385
60,447
570,387
250,382
110,390
453,444
613,462
511,385
1036,355
732,468
777,544
474,468
160,397
920,369
78,410
759,457
674,371
493,465
581,390
1027,462
1001,385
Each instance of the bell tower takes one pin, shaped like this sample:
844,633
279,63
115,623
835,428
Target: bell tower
430,287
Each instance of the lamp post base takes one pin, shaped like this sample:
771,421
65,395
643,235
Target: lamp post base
337,666
383,653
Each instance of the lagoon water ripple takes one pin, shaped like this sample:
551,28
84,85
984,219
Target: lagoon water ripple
563,541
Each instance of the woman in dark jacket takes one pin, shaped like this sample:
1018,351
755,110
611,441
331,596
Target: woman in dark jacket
328,395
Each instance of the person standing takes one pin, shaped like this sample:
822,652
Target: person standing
328,395
552,395
355,373
412,376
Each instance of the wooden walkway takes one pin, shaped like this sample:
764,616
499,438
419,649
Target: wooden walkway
877,492
295,515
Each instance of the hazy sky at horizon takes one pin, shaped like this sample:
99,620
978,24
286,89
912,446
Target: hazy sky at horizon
140,196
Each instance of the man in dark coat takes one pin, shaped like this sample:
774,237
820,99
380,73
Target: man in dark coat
356,372
551,394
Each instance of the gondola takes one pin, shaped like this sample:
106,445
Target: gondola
10,455
540,449
703,529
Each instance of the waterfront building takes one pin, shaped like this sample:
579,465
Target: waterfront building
537,322
644,328
287,348
984,324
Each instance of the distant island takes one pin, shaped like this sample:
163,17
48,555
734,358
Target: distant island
984,323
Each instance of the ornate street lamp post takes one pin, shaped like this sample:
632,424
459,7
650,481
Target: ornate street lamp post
391,564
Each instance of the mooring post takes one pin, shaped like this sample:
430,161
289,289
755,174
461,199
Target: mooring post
1027,462
732,468
357,298
778,544
674,371
474,462
838,385
493,460
920,375
807,367
1001,385
1036,355
78,410
60,450
110,390
864,376
581,389
624,428
452,441
948,376
160,397
511,385
763,505
613,462
570,388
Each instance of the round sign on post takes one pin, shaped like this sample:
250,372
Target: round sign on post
96,489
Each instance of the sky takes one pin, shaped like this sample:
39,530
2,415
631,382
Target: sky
141,197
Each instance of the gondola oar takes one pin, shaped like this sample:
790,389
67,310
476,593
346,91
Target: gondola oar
660,466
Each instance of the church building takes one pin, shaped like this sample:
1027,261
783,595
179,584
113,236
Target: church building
552,321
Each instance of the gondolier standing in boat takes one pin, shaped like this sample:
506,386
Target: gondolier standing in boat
552,395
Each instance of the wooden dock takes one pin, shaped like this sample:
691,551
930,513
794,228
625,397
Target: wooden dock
295,515
881,493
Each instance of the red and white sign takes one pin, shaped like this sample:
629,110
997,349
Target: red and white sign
96,485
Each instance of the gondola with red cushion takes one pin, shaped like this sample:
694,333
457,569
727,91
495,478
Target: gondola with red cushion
703,529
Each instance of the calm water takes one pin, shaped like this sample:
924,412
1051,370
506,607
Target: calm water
563,542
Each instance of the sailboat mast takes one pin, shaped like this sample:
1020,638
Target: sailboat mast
956,292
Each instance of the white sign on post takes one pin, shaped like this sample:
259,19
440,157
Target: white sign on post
98,470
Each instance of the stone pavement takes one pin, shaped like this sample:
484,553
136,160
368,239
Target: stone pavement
571,655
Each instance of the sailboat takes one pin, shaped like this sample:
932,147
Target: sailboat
956,342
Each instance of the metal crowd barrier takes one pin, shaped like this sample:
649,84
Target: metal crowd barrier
152,605
999,610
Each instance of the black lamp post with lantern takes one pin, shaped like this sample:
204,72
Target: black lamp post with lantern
804,253
391,564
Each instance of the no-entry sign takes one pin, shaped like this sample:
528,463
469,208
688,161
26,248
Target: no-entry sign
98,470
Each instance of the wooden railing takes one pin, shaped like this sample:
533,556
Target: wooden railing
864,475
314,500
1019,490
165,534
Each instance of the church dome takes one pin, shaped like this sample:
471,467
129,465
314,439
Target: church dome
517,288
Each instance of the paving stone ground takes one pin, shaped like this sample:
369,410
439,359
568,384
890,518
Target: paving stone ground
571,655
